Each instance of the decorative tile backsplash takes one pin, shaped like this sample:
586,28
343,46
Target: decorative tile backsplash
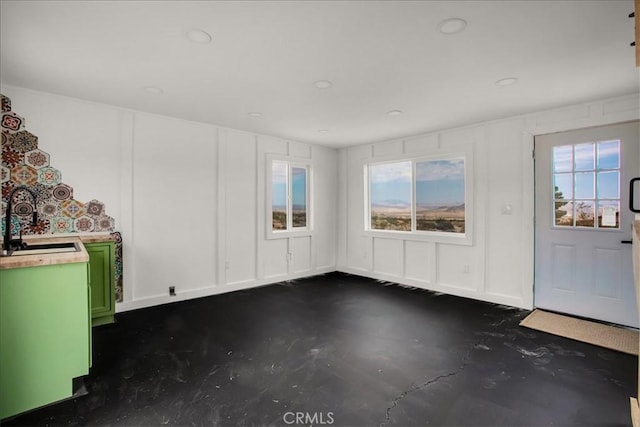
23,163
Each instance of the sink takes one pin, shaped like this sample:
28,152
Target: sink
46,248
68,245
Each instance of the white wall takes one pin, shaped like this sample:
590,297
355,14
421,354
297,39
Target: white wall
498,265
189,198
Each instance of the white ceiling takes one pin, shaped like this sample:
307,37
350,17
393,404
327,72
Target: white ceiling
380,56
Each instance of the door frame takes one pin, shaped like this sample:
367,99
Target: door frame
586,300
579,117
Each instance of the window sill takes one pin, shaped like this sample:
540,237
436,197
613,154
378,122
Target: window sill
435,237
285,234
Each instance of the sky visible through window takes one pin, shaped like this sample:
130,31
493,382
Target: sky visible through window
438,183
279,185
299,188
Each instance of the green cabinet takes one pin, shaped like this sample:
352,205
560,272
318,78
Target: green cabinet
102,281
45,334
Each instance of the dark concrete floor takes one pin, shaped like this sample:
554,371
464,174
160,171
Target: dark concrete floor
346,351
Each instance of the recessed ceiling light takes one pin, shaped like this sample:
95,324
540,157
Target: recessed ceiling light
507,81
154,90
323,84
199,36
323,130
255,114
394,113
452,26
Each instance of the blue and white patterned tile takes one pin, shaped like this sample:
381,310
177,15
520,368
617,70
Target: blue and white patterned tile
61,224
49,176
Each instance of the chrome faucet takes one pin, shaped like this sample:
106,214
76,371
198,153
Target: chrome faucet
9,244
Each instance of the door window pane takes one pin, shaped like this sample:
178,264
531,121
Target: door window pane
584,157
563,185
584,213
609,214
390,196
563,214
584,186
609,185
299,196
563,158
279,195
609,155
440,196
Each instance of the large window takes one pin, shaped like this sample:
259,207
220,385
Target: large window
418,195
586,181
289,196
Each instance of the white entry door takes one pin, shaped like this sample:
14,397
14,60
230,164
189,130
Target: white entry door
583,265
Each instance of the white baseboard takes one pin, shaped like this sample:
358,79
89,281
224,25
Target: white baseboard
211,290
440,287
214,289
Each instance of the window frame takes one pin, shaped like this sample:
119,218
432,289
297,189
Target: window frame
291,162
465,238
596,169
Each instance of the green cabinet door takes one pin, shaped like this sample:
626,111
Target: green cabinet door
102,281
44,334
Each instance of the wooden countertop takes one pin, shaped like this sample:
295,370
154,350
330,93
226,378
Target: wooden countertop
86,237
96,238
36,260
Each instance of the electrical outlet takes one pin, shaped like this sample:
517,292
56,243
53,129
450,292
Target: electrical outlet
172,291
465,269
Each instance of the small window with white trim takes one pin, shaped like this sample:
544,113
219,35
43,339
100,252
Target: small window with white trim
289,196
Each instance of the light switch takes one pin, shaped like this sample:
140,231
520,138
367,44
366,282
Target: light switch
507,209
